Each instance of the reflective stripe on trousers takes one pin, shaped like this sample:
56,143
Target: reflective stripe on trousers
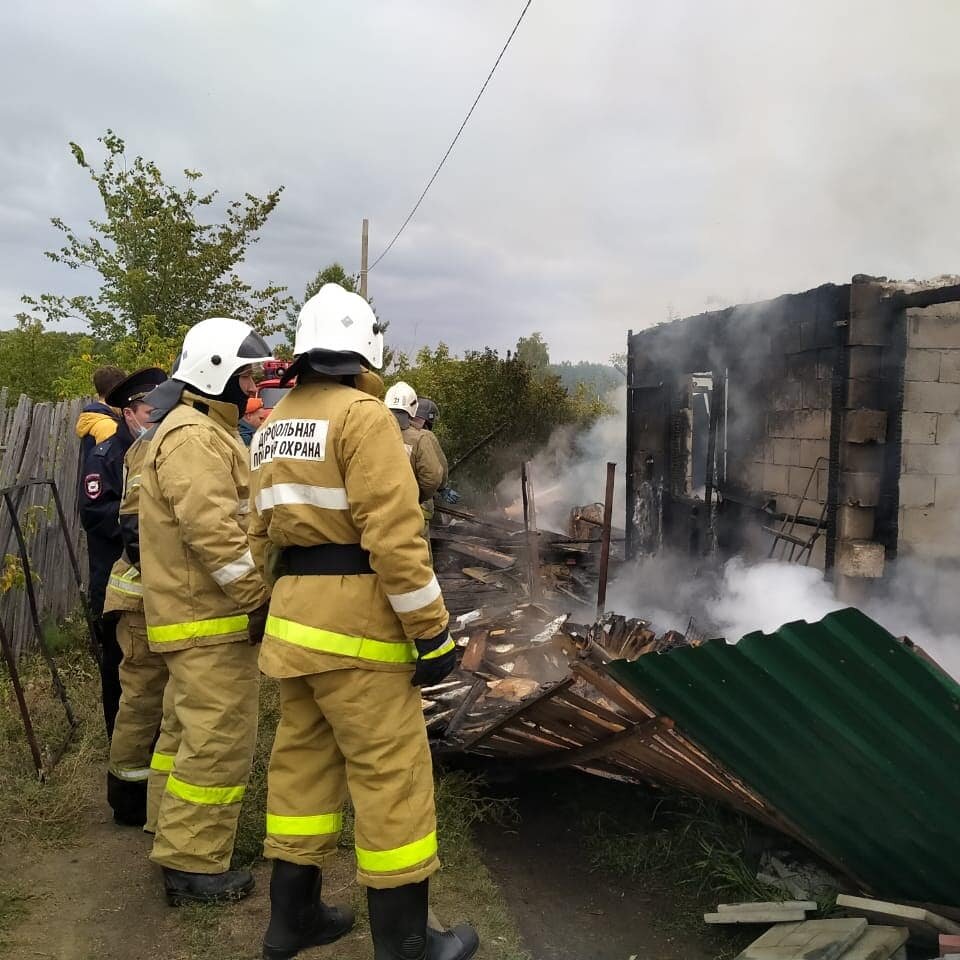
327,641
318,825
204,795
162,762
195,629
400,858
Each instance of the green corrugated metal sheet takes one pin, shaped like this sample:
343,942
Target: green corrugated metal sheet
851,735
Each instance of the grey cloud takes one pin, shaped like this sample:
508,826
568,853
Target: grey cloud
626,160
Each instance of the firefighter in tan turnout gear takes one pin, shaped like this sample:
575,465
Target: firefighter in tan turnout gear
204,601
357,622
143,675
426,455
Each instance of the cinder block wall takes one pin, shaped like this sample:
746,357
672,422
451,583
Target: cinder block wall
930,471
796,416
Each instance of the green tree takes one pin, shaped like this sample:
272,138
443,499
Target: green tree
478,393
161,269
32,360
533,351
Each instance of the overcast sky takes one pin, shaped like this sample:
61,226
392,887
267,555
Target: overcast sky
630,159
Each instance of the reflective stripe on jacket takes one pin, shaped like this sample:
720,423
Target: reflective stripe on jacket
329,466
198,574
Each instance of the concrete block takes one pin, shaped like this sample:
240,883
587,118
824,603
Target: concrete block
917,490
866,363
924,925
934,327
786,452
947,494
860,558
788,395
802,366
825,364
862,458
775,478
802,482
921,427
923,397
950,366
860,489
867,325
865,393
948,429
822,939
931,459
812,450
877,943
812,425
816,394
853,591
865,426
855,523
922,365
929,531
781,424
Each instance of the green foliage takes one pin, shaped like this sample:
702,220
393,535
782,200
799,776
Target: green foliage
533,351
161,268
598,379
481,391
32,359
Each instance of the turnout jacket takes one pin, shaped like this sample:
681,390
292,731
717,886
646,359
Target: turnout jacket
198,575
101,489
428,462
329,467
124,588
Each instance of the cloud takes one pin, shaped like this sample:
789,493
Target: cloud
626,160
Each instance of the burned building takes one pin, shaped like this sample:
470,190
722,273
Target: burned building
821,427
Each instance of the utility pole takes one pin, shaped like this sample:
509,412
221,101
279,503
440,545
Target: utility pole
363,259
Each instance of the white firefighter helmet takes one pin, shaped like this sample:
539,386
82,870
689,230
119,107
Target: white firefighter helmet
401,396
339,330
214,350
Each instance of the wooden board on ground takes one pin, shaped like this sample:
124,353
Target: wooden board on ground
924,925
823,939
485,554
805,905
878,943
777,915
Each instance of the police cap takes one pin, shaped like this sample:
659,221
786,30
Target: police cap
135,387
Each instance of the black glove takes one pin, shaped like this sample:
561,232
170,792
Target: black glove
257,624
435,659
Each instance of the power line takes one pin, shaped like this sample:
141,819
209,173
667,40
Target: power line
453,142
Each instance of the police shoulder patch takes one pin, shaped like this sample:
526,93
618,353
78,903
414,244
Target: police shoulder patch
93,485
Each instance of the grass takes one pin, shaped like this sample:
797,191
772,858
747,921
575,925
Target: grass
691,852
13,907
52,815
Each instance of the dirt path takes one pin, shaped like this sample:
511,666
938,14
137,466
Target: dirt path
565,909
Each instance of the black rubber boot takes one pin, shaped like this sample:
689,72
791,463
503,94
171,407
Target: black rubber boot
182,887
298,917
398,925
128,800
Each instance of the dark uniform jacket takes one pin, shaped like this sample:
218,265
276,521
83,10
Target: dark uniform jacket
101,490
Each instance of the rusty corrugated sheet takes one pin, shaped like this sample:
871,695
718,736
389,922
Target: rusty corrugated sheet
851,735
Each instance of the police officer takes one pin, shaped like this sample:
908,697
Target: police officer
426,455
357,622
203,601
101,491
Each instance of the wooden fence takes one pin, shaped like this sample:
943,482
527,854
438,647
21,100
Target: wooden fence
38,441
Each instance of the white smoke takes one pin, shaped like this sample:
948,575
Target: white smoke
571,470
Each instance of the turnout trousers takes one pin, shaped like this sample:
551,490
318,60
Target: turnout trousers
143,677
210,730
362,732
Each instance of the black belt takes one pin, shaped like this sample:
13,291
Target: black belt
324,560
